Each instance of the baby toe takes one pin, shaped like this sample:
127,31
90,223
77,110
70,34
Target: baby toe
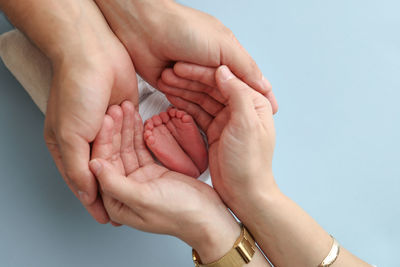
172,112
156,120
164,117
149,125
147,134
180,114
187,118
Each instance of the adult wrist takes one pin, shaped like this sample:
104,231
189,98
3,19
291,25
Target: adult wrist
136,18
247,198
213,230
217,241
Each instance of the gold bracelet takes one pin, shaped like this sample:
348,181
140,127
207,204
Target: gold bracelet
332,256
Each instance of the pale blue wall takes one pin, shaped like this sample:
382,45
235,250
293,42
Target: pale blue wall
335,69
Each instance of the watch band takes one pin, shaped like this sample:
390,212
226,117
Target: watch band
242,252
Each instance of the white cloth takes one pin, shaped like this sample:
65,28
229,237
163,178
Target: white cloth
33,70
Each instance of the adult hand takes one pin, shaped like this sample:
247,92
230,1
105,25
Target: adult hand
81,92
91,70
160,33
139,193
239,126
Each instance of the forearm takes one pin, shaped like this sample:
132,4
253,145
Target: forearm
123,15
136,19
289,236
60,28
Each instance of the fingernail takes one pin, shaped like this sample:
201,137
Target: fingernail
83,196
95,166
266,84
226,74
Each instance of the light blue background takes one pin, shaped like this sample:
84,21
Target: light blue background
335,68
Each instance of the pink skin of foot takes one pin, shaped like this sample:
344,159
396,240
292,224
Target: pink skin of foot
184,129
175,140
167,150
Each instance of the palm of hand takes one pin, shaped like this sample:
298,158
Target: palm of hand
159,200
231,159
230,153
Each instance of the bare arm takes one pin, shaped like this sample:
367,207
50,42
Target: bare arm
289,236
241,151
54,26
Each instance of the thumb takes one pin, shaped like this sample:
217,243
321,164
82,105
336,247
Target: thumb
113,183
238,93
244,66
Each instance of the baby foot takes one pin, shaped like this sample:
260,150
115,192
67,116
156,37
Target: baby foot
184,129
164,146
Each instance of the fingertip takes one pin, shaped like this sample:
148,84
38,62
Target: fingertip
274,103
96,167
182,68
108,119
116,113
114,109
115,224
224,74
105,134
108,124
98,211
127,107
167,74
266,84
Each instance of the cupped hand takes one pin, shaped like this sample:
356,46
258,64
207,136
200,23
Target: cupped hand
159,33
139,193
239,125
90,76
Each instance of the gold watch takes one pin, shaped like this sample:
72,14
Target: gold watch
242,252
